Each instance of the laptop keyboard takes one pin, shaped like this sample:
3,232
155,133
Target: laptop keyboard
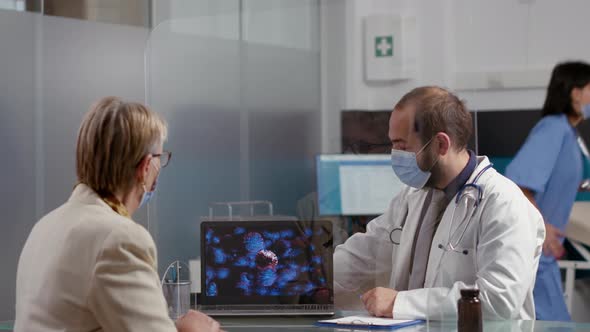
268,307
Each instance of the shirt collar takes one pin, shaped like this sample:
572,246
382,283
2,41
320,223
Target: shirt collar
459,181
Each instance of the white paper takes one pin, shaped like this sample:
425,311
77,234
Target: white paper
365,321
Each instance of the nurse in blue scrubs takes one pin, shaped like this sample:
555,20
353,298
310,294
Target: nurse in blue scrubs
549,169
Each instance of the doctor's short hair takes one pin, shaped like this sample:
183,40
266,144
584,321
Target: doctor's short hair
113,139
565,77
439,110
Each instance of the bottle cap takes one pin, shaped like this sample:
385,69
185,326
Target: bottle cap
470,292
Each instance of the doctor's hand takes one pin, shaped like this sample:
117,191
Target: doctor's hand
552,245
194,321
379,301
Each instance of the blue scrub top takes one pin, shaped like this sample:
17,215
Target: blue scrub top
550,163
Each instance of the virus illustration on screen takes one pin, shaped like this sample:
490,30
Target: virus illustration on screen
245,283
278,261
266,259
212,289
267,277
253,242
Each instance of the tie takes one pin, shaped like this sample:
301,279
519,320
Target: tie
424,235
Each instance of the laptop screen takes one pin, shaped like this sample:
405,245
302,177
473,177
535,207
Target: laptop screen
352,185
266,262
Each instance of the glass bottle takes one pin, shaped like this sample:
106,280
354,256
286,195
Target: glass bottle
469,311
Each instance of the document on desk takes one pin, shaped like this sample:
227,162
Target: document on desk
368,322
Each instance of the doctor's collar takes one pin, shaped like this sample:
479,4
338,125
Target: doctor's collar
460,180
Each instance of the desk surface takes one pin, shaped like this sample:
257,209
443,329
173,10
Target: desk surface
251,324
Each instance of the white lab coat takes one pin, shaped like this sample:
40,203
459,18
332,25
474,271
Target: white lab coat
504,240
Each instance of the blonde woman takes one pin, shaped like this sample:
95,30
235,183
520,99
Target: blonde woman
87,266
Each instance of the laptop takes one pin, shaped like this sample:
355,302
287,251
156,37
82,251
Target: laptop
254,268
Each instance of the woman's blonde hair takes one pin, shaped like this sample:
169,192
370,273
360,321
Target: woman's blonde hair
113,139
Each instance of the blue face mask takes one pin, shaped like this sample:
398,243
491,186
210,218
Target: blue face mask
406,168
147,195
586,111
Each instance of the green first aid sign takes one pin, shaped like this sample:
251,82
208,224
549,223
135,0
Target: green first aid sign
383,46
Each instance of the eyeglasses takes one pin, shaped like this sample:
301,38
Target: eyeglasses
165,157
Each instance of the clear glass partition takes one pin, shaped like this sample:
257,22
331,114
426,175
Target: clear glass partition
51,70
239,84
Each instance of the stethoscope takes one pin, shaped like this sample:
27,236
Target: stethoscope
460,194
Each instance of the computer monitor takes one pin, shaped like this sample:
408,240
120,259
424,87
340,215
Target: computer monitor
355,185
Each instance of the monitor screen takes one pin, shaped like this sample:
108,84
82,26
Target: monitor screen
355,185
267,262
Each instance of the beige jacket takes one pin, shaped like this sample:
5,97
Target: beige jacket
86,268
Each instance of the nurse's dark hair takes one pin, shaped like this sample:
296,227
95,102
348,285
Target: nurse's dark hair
439,110
565,77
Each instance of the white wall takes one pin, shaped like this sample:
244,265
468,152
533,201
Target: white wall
477,39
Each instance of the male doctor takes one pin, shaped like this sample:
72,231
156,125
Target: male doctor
457,224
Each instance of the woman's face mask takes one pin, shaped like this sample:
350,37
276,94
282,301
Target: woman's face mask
405,166
147,195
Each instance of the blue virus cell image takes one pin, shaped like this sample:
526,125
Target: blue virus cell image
262,291
242,261
253,242
276,261
267,277
287,275
210,274
245,283
212,289
287,233
293,253
272,236
218,256
209,235
222,273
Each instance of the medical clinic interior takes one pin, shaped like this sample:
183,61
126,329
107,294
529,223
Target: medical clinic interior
258,165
